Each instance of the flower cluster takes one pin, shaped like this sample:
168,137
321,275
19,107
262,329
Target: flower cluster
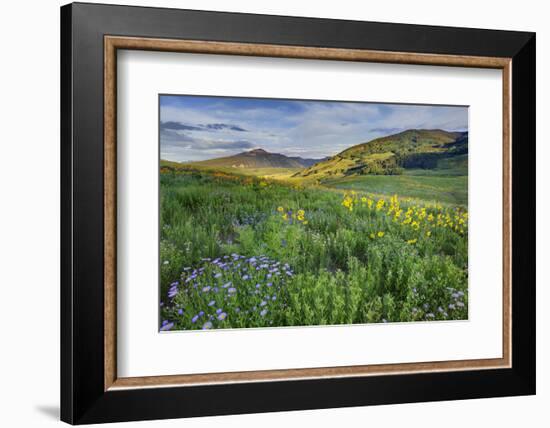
225,292
417,221
290,216
428,312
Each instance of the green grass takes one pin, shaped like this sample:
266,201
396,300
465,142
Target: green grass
229,258
262,172
268,172
432,186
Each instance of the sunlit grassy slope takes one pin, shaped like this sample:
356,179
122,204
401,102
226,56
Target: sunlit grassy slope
416,148
447,183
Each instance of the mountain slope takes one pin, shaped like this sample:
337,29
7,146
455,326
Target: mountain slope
414,148
257,158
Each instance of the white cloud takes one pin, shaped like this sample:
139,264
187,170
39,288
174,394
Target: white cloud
315,129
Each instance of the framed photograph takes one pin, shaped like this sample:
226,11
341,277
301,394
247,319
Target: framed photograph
265,213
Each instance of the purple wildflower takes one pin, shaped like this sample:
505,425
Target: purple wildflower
167,326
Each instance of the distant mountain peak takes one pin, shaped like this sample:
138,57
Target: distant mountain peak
257,151
259,158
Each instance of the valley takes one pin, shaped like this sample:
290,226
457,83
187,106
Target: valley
425,165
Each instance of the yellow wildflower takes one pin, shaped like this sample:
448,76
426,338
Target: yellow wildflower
380,234
411,241
422,213
348,202
280,209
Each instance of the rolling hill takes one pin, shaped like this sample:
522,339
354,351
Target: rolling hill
390,155
257,158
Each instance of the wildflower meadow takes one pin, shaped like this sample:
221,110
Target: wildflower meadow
240,251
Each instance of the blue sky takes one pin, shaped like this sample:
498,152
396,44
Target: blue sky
197,128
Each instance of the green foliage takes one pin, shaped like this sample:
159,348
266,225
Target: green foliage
323,266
